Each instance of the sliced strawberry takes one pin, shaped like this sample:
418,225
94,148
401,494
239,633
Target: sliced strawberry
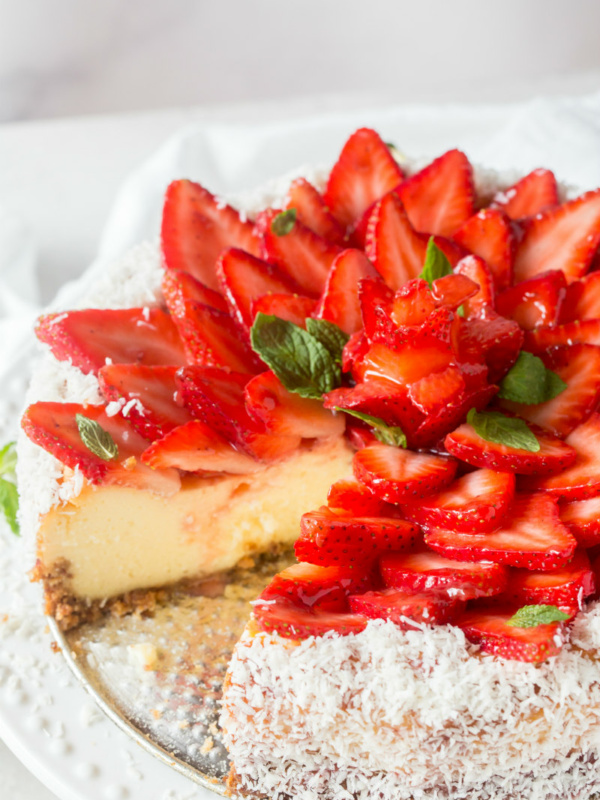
579,368
474,503
488,234
354,349
440,198
582,518
311,586
426,571
533,538
533,194
301,254
582,299
291,622
437,391
563,238
482,303
412,305
354,499
93,337
360,436
211,338
196,227
376,300
364,172
553,456
244,278
283,412
404,364
585,332
582,478
330,537
53,426
495,339
292,307
534,302
179,286
313,212
339,302
453,290
197,448
565,586
488,627
398,476
148,397
405,608
379,399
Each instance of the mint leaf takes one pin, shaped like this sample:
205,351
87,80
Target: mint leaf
9,503
510,431
529,381
388,434
330,336
301,362
532,616
96,439
8,458
436,263
284,222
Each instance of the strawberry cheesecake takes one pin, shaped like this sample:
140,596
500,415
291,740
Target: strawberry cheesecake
407,364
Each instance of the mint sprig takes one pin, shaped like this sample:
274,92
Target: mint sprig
330,336
284,222
529,381
9,497
299,358
532,616
388,434
97,440
436,264
500,429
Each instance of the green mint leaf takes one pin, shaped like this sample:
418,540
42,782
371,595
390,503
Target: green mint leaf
532,616
330,336
96,439
388,434
9,503
510,431
436,263
300,361
284,222
529,381
8,459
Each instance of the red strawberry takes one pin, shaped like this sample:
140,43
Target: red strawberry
339,302
148,396
565,586
476,502
319,587
379,399
582,299
211,339
412,305
440,198
533,538
53,426
292,307
284,618
437,391
554,455
403,365
364,172
360,436
488,234
398,476
563,238
283,412
495,339
453,290
488,627
405,608
332,538
197,448
582,518
302,255
533,194
353,498
354,349
93,337
579,368
426,571
482,303
534,302
243,279
313,212
196,227
585,332
179,286
582,478
376,301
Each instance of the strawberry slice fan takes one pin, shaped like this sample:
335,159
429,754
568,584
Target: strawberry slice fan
453,338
